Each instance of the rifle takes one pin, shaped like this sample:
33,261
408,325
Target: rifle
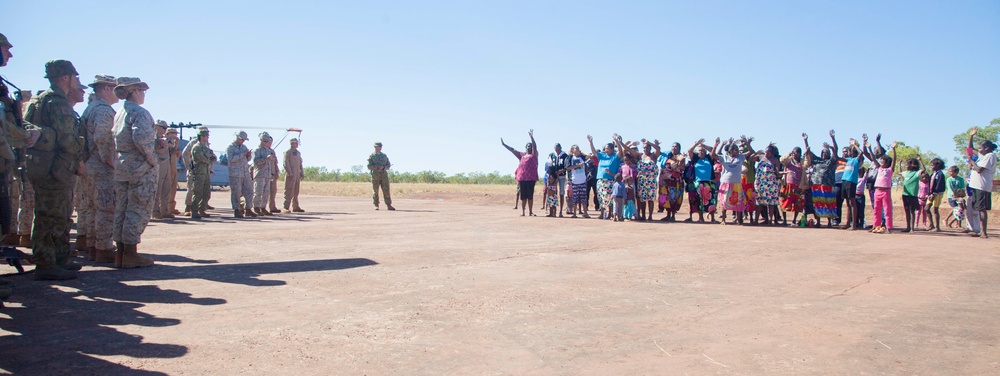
15,107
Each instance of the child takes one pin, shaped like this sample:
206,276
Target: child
883,194
551,190
923,193
911,186
956,196
938,189
859,199
618,197
629,211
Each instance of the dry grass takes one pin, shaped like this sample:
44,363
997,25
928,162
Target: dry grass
476,194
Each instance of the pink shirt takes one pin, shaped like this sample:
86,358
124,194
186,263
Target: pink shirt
883,178
527,169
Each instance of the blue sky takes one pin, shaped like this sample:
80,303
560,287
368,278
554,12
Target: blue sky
439,83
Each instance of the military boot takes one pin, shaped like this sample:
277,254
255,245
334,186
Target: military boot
119,254
298,210
69,265
168,215
91,253
209,207
266,212
187,211
249,213
53,273
105,256
24,241
203,214
11,239
81,243
237,214
131,259
286,210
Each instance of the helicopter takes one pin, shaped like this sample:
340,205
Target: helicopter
220,171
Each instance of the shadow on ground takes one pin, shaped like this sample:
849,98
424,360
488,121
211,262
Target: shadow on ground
65,327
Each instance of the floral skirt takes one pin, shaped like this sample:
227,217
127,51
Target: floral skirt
731,197
705,197
751,195
791,198
647,187
604,187
672,194
824,201
767,191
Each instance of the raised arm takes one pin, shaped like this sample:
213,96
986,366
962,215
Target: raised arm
534,146
715,148
971,134
590,140
833,138
516,153
894,159
693,146
807,152
656,149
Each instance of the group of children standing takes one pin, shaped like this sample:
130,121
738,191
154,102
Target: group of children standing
745,186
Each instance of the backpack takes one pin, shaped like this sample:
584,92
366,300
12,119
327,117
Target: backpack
40,157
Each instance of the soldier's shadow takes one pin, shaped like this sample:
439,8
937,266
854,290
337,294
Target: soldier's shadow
59,328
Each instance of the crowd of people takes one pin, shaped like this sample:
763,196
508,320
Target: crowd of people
731,182
116,169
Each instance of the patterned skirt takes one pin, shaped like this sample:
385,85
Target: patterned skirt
672,194
604,187
824,201
750,194
791,198
731,197
579,194
705,196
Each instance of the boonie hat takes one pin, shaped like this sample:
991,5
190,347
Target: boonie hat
59,68
378,144
103,79
242,135
265,137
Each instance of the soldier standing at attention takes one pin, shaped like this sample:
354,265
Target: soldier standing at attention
379,165
12,135
264,163
136,170
240,184
22,194
188,182
202,158
175,153
98,184
271,204
293,175
52,166
161,200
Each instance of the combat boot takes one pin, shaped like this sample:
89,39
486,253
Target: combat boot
209,207
274,211
105,256
249,213
203,214
92,253
157,216
69,265
119,254
53,273
81,243
266,212
24,241
131,259
11,240
168,216
237,214
387,206
187,211
298,210
285,210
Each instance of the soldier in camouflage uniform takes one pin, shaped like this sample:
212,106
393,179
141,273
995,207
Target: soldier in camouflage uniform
273,190
264,163
161,200
202,158
175,153
293,175
136,170
188,182
98,183
379,165
52,165
241,186
17,186
12,135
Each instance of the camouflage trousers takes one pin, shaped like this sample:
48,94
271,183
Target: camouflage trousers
81,215
26,214
240,186
5,204
201,188
50,234
261,192
102,201
162,198
84,205
380,179
292,191
133,206
189,184
15,203
273,193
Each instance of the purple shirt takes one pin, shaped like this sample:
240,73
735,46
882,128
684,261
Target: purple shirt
527,169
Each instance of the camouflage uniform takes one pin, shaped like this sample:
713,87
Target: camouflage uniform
380,177
161,201
53,113
273,190
98,122
172,173
189,184
10,136
264,172
24,216
240,184
293,175
202,158
136,170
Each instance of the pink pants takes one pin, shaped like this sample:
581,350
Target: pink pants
883,201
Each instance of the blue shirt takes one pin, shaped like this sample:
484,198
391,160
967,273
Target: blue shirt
702,169
851,170
607,162
618,190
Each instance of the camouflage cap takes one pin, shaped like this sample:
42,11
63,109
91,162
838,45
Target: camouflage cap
265,137
103,79
171,130
132,81
294,141
161,123
59,68
378,144
203,131
242,135
4,41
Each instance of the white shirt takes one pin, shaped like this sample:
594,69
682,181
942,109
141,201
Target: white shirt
983,181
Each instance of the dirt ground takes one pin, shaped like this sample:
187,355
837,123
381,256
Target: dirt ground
447,285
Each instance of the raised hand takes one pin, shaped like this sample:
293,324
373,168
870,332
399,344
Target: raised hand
590,138
864,137
750,139
854,142
826,145
656,142
973,131
894,143
878,138
501,142
717,140
700,142
805,136
531,133
832,133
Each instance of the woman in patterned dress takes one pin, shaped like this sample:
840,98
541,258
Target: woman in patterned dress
791,194
766,183
647,182
704,179
672,182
